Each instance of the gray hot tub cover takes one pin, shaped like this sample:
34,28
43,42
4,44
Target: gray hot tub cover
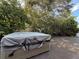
17,38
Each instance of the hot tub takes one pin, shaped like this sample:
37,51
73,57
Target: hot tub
22,45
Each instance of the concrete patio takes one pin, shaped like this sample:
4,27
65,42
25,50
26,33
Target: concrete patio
62,48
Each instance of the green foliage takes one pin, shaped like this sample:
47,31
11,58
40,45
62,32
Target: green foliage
12,16
39,21
68,0
69,26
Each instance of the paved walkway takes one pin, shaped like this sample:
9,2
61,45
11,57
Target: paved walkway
62,48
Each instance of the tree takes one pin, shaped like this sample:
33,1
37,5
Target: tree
50,16
69,26
12,16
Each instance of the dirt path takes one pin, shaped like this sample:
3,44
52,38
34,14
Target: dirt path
62,48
